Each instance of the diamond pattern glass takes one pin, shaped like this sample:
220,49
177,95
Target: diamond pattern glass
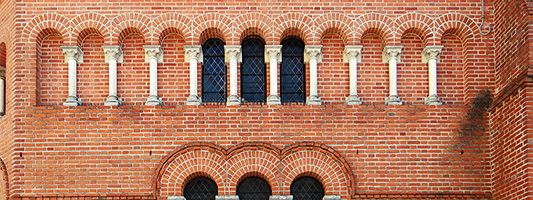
292,71
307,188
254,188
214,71
201,189
253,70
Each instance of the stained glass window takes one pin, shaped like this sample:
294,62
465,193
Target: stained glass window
253,70
307,188
200,189
254,188
292,70
213,71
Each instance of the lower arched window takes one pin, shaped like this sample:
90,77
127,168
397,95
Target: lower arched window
200,189
307,188
254,188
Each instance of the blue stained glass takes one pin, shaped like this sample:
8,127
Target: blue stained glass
214,71
253,70
292,70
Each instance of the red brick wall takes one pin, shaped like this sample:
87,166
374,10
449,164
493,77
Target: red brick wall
391,150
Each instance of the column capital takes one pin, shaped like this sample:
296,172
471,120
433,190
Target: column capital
153,51
233,52
272,52
72,52
392,52
114,52
431,52
352,52
313,52
193,52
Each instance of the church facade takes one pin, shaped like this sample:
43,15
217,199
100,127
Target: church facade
262,99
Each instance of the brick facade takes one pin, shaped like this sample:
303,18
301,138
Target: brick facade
477,145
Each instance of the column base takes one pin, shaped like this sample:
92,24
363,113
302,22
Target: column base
280,197
176,198
433,100
314,100
353,100
233,100
193,100
113,100
332,197
226,197
72,101
273,100
153,100
393,100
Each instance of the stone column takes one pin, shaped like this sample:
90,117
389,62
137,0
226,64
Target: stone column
314,55
431,56
273,54
113,55
193,53
2,90
153,54
73,56
233,55
352,54
391,54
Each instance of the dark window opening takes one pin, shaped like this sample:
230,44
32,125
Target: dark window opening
292,70
307,188
214,71
200,189
254,188
253,70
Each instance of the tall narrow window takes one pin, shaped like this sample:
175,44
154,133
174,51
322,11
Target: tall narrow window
214,71
254,188
292,71
307,188
200,189
253,70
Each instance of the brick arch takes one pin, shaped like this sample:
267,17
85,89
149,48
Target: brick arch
192,159
459,24
46,21
93,21
375,21
180,24
213,21
253,158
259,23
128,31
336,21
5,184
4,36
130,20
416,21
40,94
87,32
322,161
294,21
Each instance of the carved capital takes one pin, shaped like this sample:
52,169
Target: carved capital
392,52
352,52
233,52
72,52
153,52
113,52
272,52
193,52
431,52
313,52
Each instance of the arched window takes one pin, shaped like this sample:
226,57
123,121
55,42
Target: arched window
253,70
213,71
200,189
292,71
307,188
254,188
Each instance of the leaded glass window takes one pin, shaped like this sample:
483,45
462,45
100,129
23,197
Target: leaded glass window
254,188
253,70
292,71
213,71
200,189
307,188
